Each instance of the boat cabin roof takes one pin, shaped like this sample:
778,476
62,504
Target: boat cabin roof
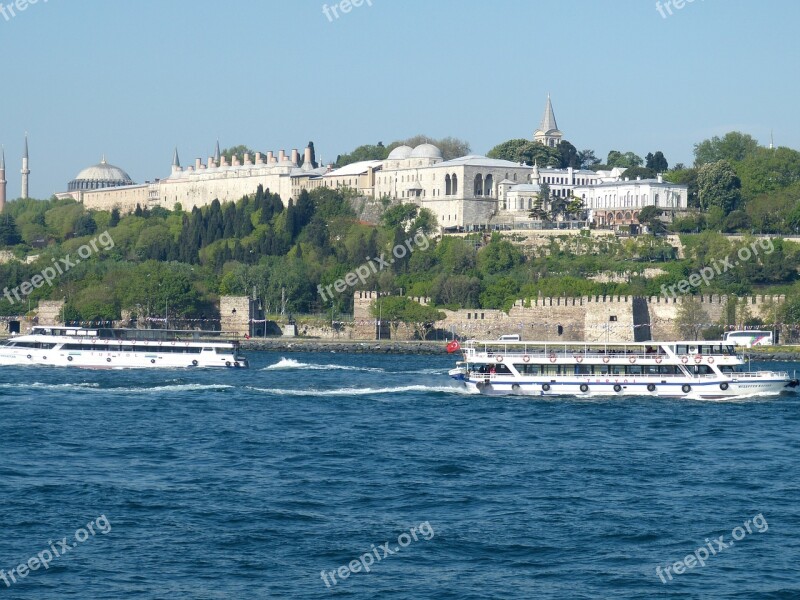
130,334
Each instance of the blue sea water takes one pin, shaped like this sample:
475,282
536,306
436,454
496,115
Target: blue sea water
250,484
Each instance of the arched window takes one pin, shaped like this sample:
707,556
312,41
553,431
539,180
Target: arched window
488,186
447,191
478,188
455,184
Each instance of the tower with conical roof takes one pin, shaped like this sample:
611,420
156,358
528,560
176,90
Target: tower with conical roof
217,155
176,162
3,182
548,132
25,170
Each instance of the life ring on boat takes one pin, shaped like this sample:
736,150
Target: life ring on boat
108,360
686,388
69,358
552,357
515,387
526,358
236,364
29,357
545,387
697,359
658,360
684,359
632,359
617,387
499,358
227,363
579,358
605,359
651,387
145,342
710,360
584,388
186,344
194,363
173,343
723,386
94,341
479,385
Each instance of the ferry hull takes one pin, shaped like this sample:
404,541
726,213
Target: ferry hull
120,360
719,389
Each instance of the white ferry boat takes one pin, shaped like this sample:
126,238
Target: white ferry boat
674,369
100,348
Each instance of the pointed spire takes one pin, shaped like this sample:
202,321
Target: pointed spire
25,152
549,118
217,154
176,162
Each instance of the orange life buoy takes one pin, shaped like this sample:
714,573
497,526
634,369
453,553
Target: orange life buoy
684,359
659,359
698,358
605,359
579,358
632,359
526,358
552,358
710,360
499,358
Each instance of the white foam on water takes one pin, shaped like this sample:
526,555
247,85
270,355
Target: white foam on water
463,391
290,363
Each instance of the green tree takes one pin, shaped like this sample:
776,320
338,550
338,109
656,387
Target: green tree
732,147
625,161
527,152
365,152
691,318
569,156
656,162
718,185
9,235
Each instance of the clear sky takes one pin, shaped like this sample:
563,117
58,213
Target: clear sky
133,79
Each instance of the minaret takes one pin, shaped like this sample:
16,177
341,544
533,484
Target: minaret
3,181
216,155
25,170
176,162
535,177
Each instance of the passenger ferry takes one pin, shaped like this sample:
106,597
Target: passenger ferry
705,370
98,348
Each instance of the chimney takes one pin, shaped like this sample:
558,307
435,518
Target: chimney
307,157
295,156
197,164
223,161
235,160
258,158
211,162
247,158
270,157
281,156
660,178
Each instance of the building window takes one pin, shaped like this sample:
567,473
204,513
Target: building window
613,318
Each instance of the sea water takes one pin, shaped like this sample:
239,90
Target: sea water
373,476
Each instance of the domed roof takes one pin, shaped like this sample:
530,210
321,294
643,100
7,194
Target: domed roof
426,151
104,172
400,153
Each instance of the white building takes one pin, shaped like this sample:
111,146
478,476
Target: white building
617,203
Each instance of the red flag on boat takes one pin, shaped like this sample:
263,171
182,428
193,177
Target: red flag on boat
453,346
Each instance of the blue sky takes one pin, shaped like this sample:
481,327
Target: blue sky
133,79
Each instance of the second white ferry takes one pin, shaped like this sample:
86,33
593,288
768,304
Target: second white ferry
100,348
705,370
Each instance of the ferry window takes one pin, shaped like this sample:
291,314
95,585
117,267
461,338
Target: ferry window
634,369
702,370
668,369
651,370
583,369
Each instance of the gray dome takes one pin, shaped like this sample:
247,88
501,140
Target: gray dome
426,151
400,153
101,175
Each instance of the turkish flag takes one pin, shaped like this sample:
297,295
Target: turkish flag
453,346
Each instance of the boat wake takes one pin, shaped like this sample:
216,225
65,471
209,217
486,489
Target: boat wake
290,363
441,389
49,386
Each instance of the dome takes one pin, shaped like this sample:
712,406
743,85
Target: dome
400,153
426,151
101,175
